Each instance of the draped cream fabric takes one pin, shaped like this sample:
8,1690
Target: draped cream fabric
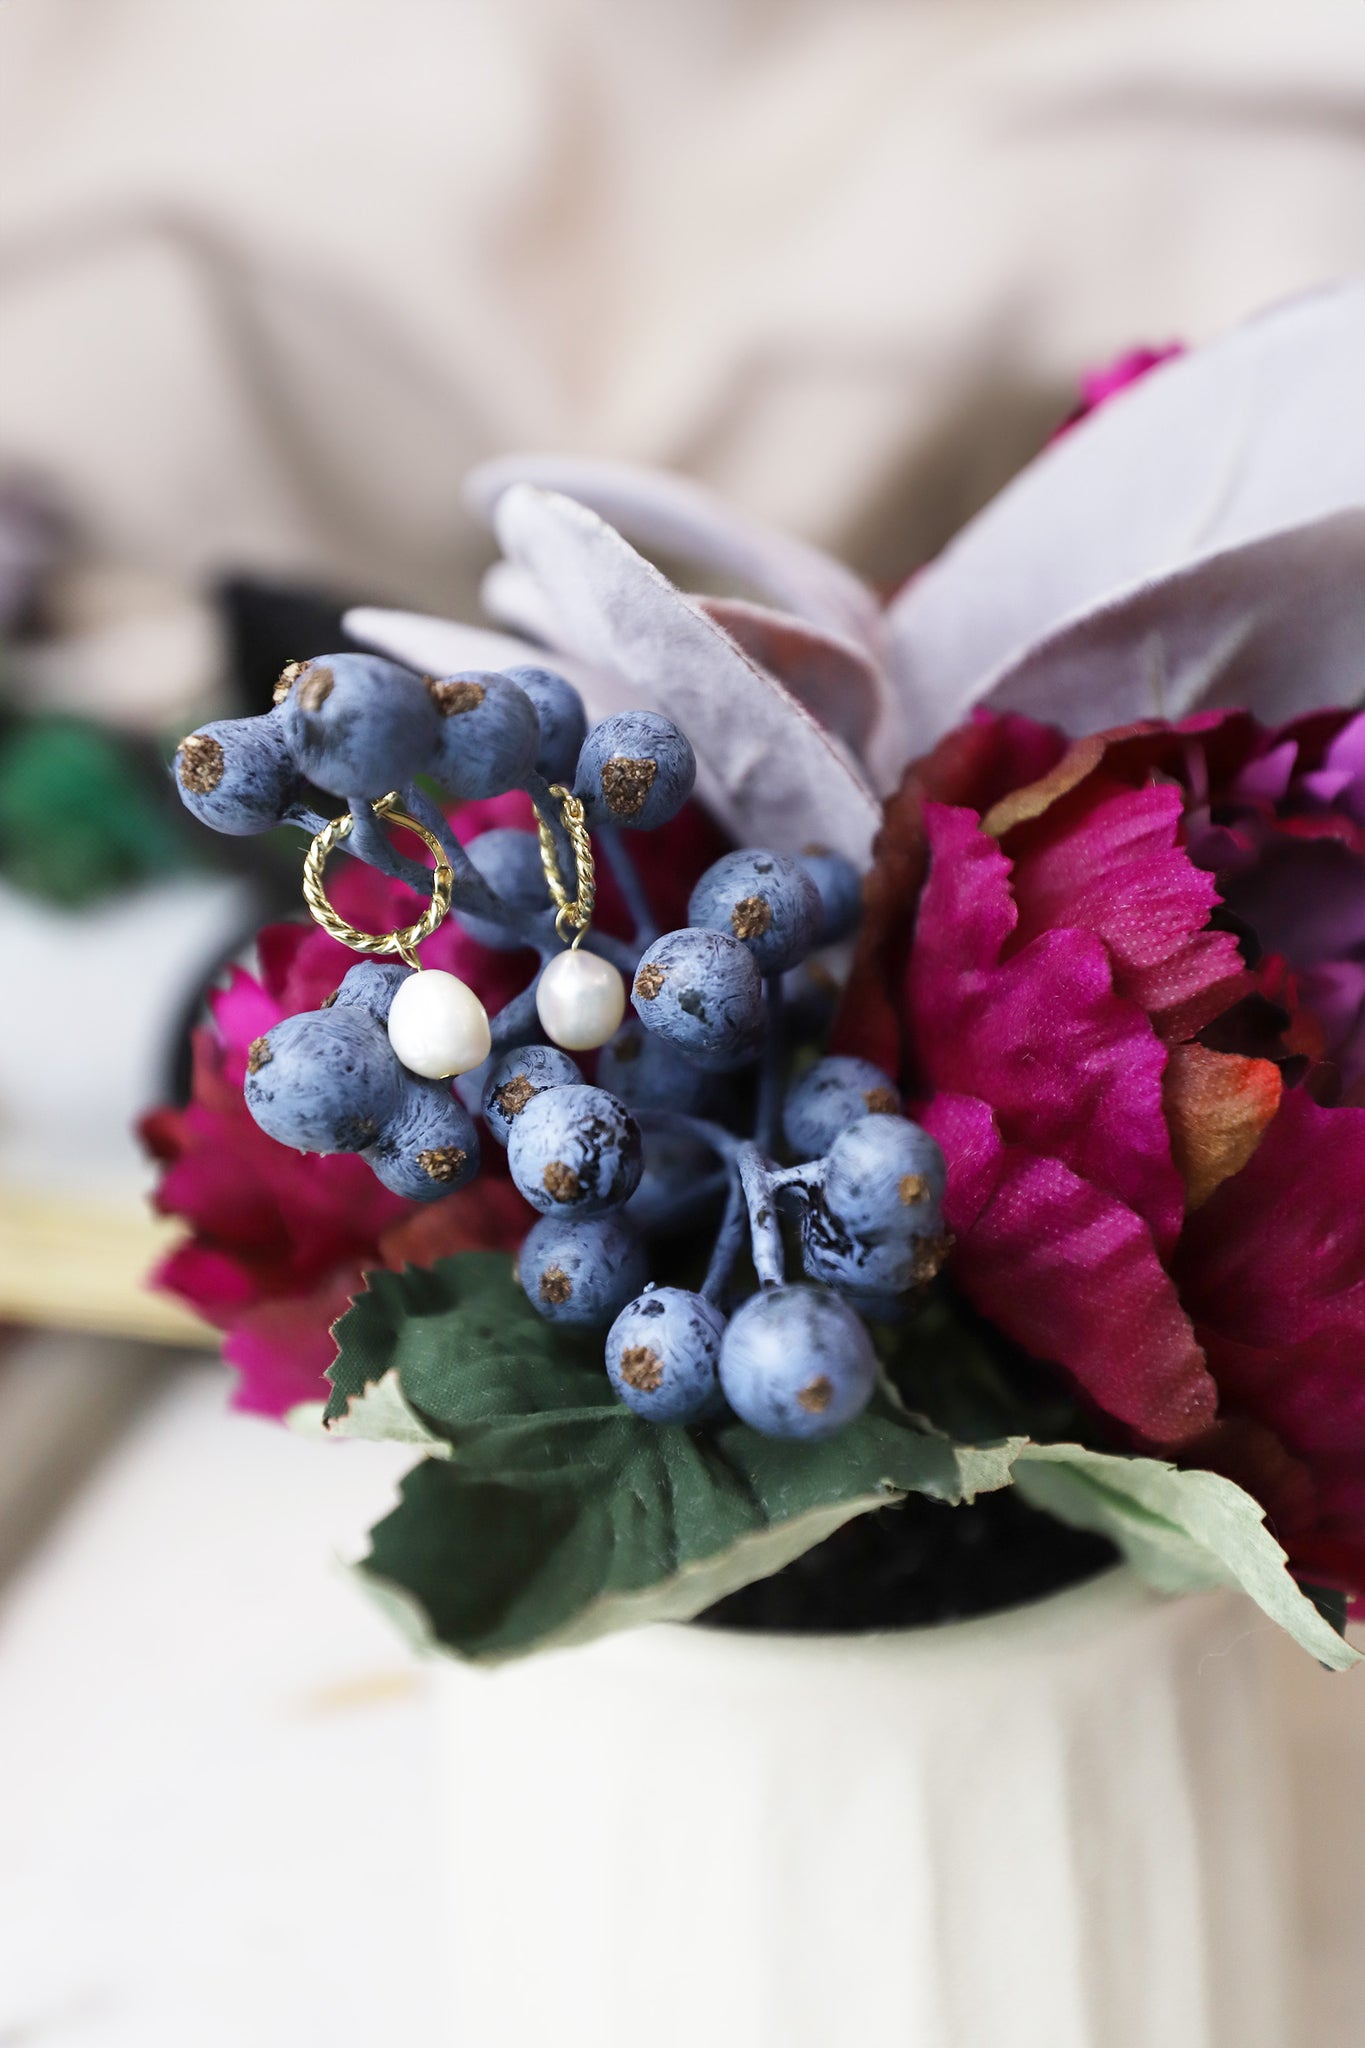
275,272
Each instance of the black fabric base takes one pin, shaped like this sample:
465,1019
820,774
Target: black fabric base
917,1565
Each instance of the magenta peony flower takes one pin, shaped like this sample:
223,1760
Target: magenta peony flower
1156,1169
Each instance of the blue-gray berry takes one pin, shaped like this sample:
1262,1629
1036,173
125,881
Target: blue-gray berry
797,1362
766,900
635,768
701,991
359,725
487,734
509,861
575,1151
681,1185
370,985
647,1072
884,1177
324,1081
560,716
429,1147
518,1075
840,888
662,1354
838,1091
238,774
581,1270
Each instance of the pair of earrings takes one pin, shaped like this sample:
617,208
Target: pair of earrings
437,1025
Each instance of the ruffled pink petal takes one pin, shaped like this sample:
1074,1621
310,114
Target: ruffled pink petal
282,1350
1111,862
243,1010
214,1283
1071,1070
1071,1274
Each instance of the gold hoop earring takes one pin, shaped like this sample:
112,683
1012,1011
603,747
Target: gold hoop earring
580,997
400,942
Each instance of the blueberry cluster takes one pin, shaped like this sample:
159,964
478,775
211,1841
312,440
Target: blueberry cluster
695,1096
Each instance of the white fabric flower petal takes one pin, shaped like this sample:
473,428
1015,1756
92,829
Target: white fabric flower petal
833,677
1259,432
673,516
436,647
1275,628
765,767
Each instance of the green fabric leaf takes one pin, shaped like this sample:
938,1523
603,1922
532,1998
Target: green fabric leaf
1181,1531
560,1515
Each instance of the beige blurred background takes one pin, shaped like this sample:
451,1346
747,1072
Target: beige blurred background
273,274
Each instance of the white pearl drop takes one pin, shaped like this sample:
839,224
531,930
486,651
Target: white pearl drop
438,1026
580,1000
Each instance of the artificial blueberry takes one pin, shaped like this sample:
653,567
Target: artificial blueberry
884,1177
766,900
359,725
488,734
581,1270
238,774
575,1150
662,1354
680,1185
371,985
560,716
701,991
840,888
324,1081
429,1146
635,768
837,1091
509,861
797,1362
647,1072
516,1076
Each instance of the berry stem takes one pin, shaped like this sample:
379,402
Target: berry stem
729,1242
769,1113
765,1236
622,865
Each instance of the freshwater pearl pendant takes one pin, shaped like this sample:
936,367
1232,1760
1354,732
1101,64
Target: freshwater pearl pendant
580,1000
438,1026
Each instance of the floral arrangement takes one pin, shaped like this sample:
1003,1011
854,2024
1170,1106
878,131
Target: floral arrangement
1033,1159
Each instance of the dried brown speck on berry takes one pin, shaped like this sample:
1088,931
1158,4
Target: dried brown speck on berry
555,1286
442,1163
513,1095
884,1102
642,1368
912,1188
452,697
201,764
315,688
626,783
814,851
751,917
816,1396
649,981
929,1256
258,1055
289,675
560,1181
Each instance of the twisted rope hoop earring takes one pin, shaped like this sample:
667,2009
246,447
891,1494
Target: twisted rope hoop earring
570,910
400,942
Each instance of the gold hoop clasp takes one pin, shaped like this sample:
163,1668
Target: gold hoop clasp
400,942
569,910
